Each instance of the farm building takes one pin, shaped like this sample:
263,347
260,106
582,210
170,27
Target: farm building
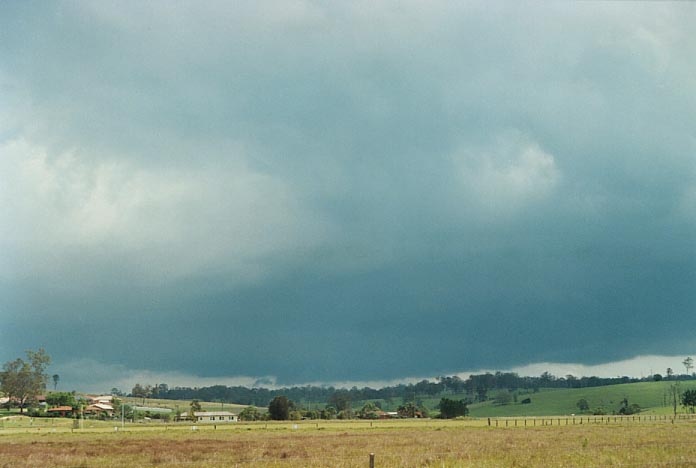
214,417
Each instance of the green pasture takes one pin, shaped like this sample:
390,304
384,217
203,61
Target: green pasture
652,397
183,405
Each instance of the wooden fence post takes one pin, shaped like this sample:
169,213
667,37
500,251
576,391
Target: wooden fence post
489,422
372,460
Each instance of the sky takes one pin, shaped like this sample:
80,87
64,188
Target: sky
285,192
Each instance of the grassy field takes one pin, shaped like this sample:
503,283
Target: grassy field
184,405
406,443
650,396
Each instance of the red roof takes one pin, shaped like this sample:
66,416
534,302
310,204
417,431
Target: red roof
60,408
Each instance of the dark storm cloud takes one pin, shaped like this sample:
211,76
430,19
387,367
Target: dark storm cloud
370,191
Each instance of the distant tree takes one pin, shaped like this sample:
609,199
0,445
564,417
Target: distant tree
688,364
411,410
657,377
407,410
674,392
503,398
583,405
55,378
368,411
61,399
116,392
627,409
452,408
117,404
341,400
688,399
139,391
328,413
194,407
482,393
279,408
250,413
669,373
24,380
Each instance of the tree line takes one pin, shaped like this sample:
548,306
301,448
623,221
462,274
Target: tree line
477,387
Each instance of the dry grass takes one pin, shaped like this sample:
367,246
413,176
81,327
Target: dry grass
415,444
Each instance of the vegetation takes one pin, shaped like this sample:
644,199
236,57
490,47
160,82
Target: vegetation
688,399
279,408
476,388
23,380
251,413
61,399
452,408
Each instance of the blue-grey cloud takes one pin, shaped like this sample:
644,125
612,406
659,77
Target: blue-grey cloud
357,192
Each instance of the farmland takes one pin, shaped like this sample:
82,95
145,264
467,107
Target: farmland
402,443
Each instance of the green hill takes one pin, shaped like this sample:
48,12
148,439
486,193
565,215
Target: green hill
652,397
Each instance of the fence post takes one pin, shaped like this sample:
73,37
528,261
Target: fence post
489,422
372,460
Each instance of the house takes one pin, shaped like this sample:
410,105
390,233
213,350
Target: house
62,411
214,417
105,399
99,408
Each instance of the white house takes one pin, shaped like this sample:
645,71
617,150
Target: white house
214,417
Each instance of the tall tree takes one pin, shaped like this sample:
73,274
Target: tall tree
675,396
55,378
688,399
452,408
688,364
195,407
23,380
279,408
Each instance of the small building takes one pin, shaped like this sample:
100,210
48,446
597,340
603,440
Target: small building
62,411
99,408
214,417
105,399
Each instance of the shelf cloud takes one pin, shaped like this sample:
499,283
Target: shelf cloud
310,192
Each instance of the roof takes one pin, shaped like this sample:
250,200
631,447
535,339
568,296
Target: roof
101,398
103,406
60,408
152,409
99,407
199,414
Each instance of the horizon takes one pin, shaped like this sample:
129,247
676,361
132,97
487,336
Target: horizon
634,369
